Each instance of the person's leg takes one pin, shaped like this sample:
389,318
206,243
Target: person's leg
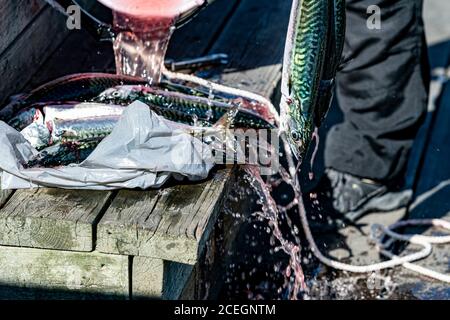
382,91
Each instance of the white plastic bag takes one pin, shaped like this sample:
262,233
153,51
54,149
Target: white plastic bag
143,151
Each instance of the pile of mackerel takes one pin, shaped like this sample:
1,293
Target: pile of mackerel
66,119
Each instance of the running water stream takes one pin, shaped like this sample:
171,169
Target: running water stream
146,28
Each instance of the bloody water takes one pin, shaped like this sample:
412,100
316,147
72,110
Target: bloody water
277,214
146,27
279,196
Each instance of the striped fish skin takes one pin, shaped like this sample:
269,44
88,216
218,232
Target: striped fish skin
179,116
197,91
64,153
81,110
77,87
340,27
95,128
199,107
24,118
302,70
336,38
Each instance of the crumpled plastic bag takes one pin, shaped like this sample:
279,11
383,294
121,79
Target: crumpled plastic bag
143,151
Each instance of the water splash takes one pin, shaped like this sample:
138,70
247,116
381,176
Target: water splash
273,213
141,50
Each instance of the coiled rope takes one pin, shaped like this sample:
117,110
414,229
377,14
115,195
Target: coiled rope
406,261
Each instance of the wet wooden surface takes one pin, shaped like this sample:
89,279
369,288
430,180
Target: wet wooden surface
173,224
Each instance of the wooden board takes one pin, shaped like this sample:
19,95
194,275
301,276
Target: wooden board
29,42
180,222
4,195
197,37
172,226
15,17
56,219
255,39
87,55
158,279
30,50
37,273
29,273
52,219
78,53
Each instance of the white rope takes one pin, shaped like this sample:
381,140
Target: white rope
394,261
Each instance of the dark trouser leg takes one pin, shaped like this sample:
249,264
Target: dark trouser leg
382,91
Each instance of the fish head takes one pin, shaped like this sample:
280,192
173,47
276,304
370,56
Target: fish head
119,93
295,139
293,127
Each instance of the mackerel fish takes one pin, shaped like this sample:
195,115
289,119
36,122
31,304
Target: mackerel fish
63,154
312,55
76,87
206,109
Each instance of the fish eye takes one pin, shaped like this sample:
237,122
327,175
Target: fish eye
116,94
295,135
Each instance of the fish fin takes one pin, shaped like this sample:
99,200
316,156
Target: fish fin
227,119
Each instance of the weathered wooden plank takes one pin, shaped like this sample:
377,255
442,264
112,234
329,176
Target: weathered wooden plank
147,278
15,17
192,40
78,53
196,37
30,50
143,224
119,229
254,41
84,55
158,279
52,219
39,273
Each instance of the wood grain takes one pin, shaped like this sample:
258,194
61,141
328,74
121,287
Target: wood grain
173,226
30,273
196,37
51,219
15,16
30,50
254,39
158,279
4,195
